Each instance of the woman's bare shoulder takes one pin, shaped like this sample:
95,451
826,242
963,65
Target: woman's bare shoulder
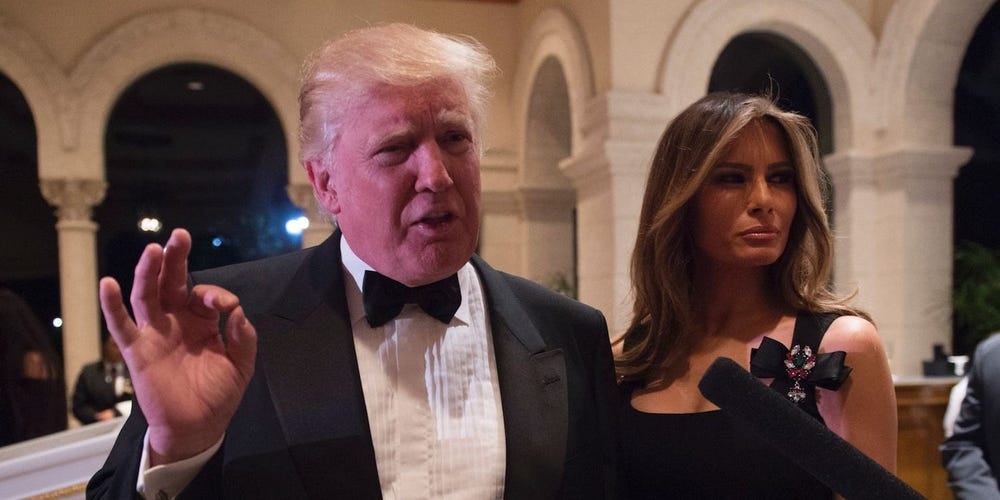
852,334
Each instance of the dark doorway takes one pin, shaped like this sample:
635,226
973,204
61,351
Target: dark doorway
29,260
194,146
977,124
763,63
977,188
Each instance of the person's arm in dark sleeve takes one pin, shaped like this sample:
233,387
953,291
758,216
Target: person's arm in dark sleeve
962,454
83,410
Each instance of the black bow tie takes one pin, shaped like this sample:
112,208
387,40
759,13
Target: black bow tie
385,297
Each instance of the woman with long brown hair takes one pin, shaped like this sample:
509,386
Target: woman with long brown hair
733,259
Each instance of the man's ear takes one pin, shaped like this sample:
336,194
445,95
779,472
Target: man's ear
323,186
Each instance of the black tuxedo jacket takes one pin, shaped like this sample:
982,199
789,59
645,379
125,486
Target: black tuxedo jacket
93,393
972,453
301,430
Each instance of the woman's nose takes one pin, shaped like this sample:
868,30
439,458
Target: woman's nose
760,197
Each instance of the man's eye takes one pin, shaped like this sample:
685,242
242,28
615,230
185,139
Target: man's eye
456,142
456,137
392,155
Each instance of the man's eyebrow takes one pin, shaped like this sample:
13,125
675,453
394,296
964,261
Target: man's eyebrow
391,133
453,117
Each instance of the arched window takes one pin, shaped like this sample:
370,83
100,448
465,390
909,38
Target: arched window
194,146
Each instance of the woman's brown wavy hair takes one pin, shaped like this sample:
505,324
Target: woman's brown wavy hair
662,332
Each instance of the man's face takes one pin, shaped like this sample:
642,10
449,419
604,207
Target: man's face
404,181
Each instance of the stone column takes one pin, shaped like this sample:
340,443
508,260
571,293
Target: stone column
548,236
599,270
500,241
914,244
321,224
74,199
893,228
609,174
855,208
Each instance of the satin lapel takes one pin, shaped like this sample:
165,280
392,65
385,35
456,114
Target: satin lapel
308,359
533,393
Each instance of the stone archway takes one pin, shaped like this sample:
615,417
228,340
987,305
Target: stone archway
546,197
553,86
50,97
555,35
831,33
73,179
911,173
43,85
185,35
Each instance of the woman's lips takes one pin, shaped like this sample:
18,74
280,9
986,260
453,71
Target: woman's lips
760,233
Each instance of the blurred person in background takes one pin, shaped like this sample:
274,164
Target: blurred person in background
32,391
972,453
103,390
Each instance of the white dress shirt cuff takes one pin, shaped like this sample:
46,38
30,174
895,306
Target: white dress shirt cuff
169,480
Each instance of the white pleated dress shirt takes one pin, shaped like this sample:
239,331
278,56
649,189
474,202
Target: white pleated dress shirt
432,395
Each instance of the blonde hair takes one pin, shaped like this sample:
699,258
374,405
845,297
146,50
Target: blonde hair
662,331
343,71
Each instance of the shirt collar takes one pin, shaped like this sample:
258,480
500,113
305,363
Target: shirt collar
355,269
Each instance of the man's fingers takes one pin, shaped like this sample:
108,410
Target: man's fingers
173,273
209,300
145,296
122,328
242,343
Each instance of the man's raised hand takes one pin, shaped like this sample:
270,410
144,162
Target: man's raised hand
188,380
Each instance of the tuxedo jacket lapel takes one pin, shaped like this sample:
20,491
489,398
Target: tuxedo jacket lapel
533,393
309,363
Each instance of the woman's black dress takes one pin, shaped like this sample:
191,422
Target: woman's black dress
709,455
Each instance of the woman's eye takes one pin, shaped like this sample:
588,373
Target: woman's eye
783,178
730,178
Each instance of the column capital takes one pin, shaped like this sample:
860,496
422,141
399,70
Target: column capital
74,199
621,130
495,201
545,203
921,163
909,164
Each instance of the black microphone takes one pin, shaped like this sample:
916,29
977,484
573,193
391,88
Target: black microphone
818,450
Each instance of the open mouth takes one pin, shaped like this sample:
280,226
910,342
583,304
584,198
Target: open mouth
437,219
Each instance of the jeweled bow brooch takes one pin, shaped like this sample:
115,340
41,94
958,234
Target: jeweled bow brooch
799,370
799,362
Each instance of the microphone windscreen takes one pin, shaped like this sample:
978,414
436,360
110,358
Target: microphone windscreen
800,437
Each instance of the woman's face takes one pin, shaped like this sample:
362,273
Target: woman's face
744,209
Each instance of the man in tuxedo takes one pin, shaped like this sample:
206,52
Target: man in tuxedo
387,362
102,386
972,453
